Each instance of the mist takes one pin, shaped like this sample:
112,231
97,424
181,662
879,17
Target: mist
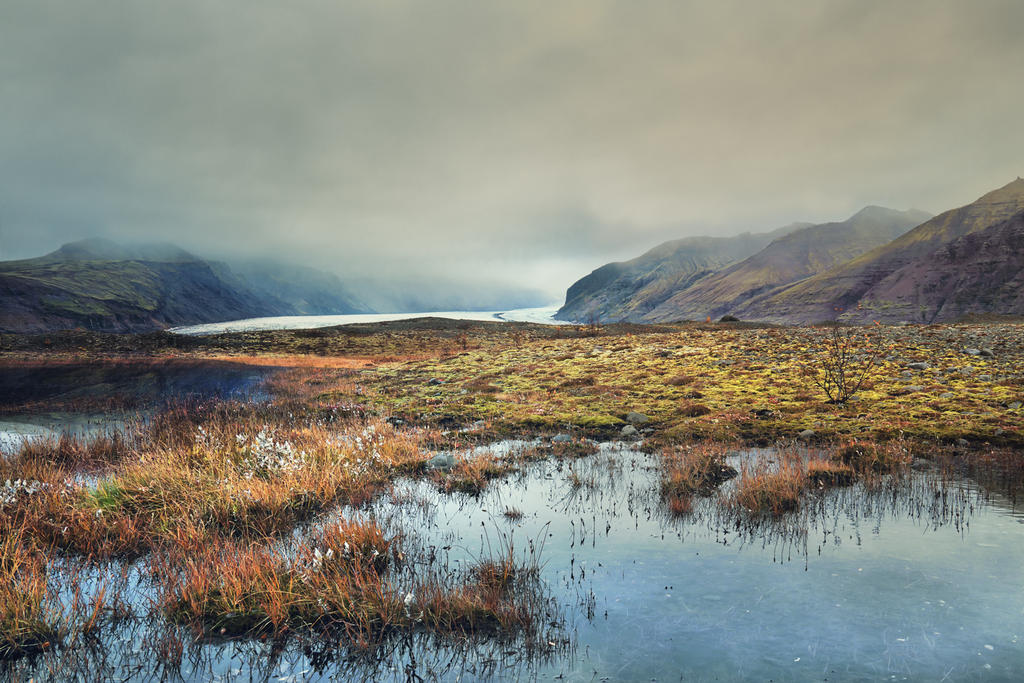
513,145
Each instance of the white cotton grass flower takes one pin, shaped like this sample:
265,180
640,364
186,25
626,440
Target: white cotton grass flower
12,491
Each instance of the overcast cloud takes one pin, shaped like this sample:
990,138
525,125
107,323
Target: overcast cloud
525,142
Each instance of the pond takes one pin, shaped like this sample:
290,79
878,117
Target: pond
914,578
85,398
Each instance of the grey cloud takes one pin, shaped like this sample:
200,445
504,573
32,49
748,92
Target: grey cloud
502,140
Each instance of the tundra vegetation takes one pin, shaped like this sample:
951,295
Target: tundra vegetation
250,519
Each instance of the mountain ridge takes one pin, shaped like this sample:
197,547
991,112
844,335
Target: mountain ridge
104,286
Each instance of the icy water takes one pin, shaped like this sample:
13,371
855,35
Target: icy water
543,315
920,581
87,398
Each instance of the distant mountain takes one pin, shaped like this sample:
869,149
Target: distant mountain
630,290
103,286
306,291
871,278
981,272
790,258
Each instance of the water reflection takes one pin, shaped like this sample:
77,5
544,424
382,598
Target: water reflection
914,577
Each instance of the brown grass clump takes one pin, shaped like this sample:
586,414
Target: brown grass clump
765,491
879,458
471,474
498,596
692,472
76,453
827,473
26,622
688,408
340,582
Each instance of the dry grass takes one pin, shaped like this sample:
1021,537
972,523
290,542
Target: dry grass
689,472
471,474
824,474
871,457
339,582
26,622
766,490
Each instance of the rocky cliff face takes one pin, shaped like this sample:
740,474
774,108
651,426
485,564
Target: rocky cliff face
630,290
981,272
837,291
790,258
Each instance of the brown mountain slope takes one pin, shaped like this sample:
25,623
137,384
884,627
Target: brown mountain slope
627,290
982,272
827,295
790,258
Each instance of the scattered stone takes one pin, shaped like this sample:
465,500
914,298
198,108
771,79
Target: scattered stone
629,431
906,374
394,421
637,418
807,434
984,378
972,352
441,461
913,388
967,371
987,353
945,396
434,381
919,366
561,438
724,361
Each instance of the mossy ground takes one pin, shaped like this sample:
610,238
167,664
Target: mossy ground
755,385
721,382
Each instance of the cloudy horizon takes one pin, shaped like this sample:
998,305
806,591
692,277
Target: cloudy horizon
522,143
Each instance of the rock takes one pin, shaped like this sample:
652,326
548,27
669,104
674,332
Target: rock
946,395
433,381
918,366
967,371
961,442
987,353
984,378
807,434
561,438
637,418
972,352
629,431
913,388
906,374
724,361
441,461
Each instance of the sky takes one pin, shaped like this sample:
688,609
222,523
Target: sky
512,143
